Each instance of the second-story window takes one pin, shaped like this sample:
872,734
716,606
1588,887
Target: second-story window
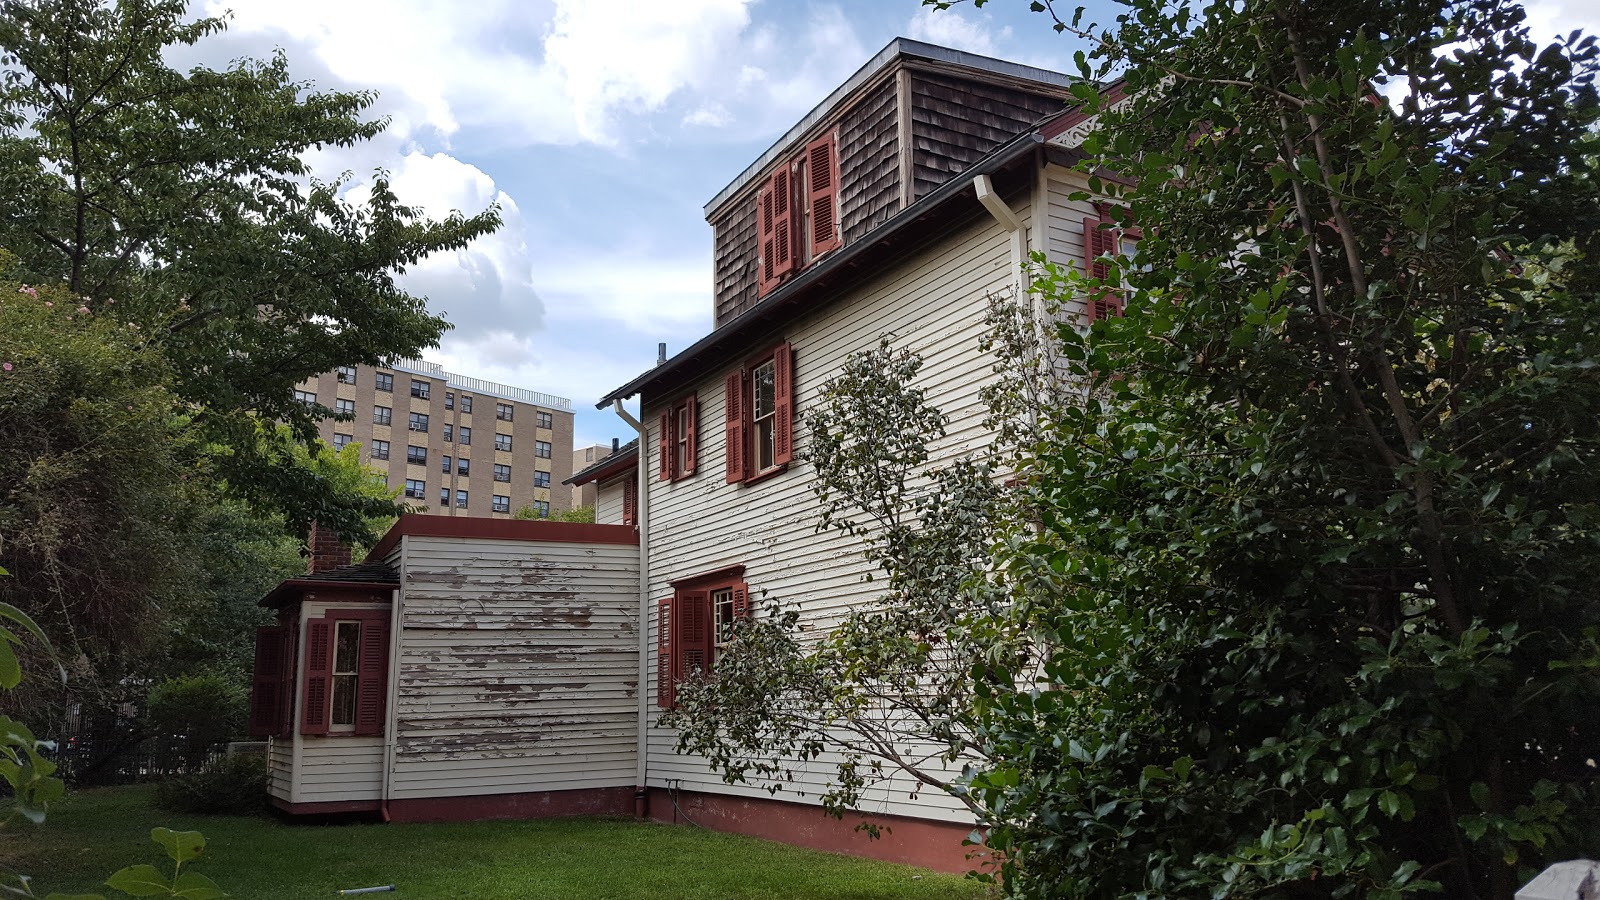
797,212
759,408
676,443
418,422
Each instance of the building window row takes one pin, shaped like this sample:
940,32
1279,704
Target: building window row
758,413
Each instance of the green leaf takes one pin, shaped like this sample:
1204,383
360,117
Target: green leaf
140,881
74,897
194,886
182,846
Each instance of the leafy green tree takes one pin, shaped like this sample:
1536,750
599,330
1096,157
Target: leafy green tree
186,198
889,691
1313,552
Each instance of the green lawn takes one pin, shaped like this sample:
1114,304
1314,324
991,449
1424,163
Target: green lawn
95,832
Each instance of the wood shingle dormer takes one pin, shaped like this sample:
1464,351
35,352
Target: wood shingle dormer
906,122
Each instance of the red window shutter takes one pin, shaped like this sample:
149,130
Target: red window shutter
266,682
691,450
372,674
775,219
733,425
285,715
318,676
1099,242
741,601
783,405
822,195
664,445
691,637
666,695
629,500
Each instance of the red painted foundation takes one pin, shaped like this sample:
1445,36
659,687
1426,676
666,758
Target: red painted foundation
327,808
917,842
532,805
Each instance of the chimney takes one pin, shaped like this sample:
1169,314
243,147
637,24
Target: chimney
616,444
326,550
661,353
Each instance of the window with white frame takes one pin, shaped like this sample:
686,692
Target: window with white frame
346,655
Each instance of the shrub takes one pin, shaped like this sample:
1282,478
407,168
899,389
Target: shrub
233,785
199,711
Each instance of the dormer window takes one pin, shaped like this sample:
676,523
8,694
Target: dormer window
800,198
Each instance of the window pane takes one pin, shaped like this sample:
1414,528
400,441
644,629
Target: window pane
764,383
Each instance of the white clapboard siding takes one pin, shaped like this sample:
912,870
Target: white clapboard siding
280,768
335,768
519,667
608,498
1064,224
933,302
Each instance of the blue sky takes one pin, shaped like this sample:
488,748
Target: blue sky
601,127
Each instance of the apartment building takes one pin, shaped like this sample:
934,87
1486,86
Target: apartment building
458,446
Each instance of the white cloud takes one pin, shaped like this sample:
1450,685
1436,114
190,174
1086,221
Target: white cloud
948,28
1549,18
486,286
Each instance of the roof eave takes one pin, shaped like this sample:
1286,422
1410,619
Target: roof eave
754,317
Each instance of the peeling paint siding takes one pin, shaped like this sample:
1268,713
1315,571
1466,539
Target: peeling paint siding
608,499
934,302
519,667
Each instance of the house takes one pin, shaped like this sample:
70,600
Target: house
611,483
901,204
470,668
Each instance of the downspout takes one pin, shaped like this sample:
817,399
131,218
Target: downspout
391,716
641,792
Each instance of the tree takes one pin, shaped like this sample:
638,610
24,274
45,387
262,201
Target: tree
186,198
1313,556
889,691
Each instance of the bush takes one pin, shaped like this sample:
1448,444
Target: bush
233,785
199,711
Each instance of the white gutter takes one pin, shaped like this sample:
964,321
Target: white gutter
642,520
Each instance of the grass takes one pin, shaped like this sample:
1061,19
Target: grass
95,832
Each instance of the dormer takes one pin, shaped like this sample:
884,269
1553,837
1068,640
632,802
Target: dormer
914,116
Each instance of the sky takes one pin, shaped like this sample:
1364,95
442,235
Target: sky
601,128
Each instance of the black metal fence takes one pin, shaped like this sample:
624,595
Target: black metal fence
114,750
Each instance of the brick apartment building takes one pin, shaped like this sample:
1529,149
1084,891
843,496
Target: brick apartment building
454,444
